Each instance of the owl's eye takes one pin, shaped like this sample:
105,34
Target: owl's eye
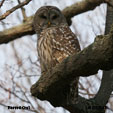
54,17
42,16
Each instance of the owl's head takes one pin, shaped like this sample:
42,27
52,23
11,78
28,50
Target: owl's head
46,17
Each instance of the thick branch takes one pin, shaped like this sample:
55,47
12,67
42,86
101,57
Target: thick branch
81,7
87,62
77,8
16,32
109,18
108,75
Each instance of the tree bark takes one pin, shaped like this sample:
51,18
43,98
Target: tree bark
109,22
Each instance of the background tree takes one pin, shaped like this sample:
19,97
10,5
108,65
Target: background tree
19,64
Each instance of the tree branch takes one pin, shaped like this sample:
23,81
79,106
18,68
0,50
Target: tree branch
13,9
1,3
69,12
16,32
81,7
108,74
23,11
98,103
87,62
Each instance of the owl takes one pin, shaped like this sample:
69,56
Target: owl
56,41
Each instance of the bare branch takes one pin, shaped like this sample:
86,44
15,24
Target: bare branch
13,9
27,28
23,12
2,3
80,7
16,32
14,94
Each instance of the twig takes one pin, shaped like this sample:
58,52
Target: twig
23,11
14,94
28,100
13,9
2,3
24,94
3,105
109,108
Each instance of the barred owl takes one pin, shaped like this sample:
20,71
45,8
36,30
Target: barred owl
55,39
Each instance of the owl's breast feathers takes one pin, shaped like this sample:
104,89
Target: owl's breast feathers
55,44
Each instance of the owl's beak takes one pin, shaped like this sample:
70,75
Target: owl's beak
49,23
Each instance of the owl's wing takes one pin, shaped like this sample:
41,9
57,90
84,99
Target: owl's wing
64,44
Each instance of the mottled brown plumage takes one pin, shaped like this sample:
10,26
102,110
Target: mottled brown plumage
55,39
